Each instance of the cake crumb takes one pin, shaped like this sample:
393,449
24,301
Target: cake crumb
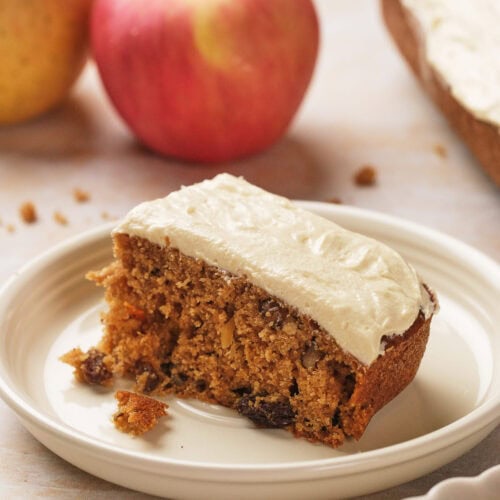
28,213
365,176
440,150
91,367
106,216
60,218
80,195
137,414
335,200
10,228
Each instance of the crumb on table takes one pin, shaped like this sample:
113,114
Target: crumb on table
106,216
60,218
440,150
80,195
28,213
335,200
137,414
365,176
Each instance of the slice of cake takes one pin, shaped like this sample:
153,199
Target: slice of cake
228,294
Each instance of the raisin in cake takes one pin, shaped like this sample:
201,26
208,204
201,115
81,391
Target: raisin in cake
228,294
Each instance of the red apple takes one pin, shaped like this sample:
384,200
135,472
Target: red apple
205,80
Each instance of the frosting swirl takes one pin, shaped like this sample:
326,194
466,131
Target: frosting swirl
356,288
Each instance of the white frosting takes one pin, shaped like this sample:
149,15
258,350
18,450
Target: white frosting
462,44
356,288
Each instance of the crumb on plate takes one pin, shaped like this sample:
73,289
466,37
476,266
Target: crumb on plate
136,413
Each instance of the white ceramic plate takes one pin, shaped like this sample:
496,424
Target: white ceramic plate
204,451
484,487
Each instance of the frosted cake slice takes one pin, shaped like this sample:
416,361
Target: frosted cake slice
228,294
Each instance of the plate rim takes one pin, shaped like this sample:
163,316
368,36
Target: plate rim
485,415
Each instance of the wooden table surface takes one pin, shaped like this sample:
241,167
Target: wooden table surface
363,107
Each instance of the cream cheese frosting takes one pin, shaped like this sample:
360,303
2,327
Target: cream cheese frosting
356,288
462,44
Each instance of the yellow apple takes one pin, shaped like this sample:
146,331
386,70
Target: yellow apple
43,46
